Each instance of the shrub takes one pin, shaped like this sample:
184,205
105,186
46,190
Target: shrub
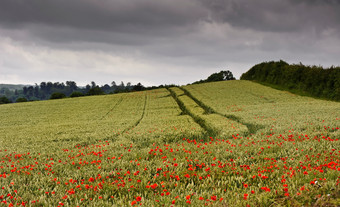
95,91
4,100
57,95
19,100
76,94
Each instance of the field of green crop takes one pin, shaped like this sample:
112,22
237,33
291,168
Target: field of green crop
232,143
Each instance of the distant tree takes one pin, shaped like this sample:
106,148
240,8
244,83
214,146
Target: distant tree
106,88
138,87
93,84
49,86
57,85
25,90
113,84
4,100
95,91
30,91
36,90
87,87
221,76
76,94
19,100
121,86
57,95
72,85
43,86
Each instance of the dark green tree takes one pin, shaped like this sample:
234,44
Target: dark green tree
95,91
106,88
138,87
49,86
72,85
307,80
57,95
87,88
221,76
76,94
4,100
19,100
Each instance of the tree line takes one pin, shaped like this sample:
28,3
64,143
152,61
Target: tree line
57,90
223,75
313,81
49,90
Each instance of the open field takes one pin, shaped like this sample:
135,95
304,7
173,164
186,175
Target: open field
231,143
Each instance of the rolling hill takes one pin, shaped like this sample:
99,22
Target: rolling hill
194,145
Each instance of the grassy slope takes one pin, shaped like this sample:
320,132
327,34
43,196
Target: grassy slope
269,109
63,123
85,120
111,150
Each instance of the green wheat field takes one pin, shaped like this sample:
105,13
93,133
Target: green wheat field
229,143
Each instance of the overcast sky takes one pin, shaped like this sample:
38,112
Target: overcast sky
160,41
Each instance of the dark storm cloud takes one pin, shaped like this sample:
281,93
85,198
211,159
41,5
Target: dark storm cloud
277,15
118,21
117,15
163,36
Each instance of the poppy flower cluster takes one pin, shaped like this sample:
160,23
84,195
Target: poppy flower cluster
123,172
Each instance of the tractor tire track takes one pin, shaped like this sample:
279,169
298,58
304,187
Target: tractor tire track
141,118
252,128
116,104
185,111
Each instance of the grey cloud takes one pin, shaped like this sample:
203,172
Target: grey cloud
171,37
122,15
115,22
134,22
276,15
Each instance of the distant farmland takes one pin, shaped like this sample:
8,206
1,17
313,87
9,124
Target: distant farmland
229,143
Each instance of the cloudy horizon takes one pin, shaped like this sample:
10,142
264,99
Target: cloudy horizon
160,42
